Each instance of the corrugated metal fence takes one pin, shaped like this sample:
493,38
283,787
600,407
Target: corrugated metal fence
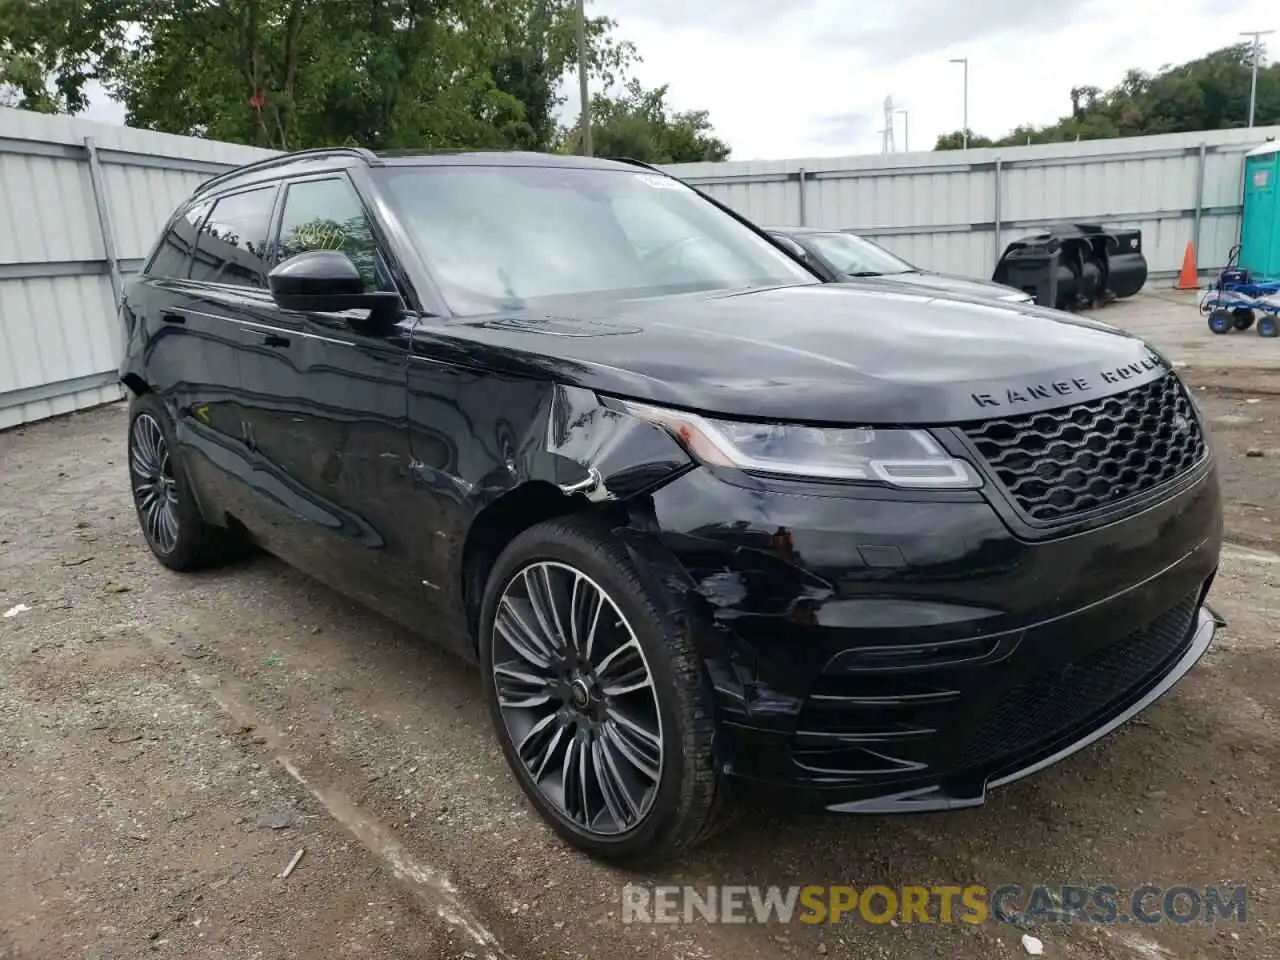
80,205
955,212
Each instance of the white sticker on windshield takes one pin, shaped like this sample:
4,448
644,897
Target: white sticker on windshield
661,183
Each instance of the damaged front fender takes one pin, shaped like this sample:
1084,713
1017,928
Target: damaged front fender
605,454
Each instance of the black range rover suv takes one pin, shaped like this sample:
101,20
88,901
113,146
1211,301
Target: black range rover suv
706,523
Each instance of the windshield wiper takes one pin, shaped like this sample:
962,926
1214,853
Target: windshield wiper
865,273
512,300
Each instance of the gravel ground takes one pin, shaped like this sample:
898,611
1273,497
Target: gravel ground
171,742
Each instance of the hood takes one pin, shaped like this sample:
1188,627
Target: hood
819,353
962,286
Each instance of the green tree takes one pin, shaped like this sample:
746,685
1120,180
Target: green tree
1209,93
537,52
638,124
955,141
49,51
298,73
1083,98
25,86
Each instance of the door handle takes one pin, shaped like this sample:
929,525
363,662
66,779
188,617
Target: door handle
168,316
275,340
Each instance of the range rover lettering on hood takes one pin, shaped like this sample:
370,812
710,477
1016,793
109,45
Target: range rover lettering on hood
1026,393
824,353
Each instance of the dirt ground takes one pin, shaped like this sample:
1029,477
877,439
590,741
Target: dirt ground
169,743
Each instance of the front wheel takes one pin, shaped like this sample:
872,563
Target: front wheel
1220,321
1267,326
598,699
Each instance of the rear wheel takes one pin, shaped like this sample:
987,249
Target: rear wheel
1242,318
167,510
1267,326
597,697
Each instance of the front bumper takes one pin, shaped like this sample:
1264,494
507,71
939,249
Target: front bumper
971,791
904,654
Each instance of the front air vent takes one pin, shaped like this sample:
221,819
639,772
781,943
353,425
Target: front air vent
1059,464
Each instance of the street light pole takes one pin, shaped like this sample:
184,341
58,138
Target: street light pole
906,130
1257,55
582,80
964,133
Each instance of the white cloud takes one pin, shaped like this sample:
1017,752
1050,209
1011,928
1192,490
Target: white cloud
812,81
102,108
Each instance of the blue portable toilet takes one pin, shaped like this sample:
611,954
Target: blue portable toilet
1260,218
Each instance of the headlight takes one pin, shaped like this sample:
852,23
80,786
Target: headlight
900,458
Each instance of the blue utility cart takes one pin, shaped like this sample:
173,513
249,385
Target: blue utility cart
1248,290
1239,299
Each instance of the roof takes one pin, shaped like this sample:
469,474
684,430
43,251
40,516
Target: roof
502,158
323,158
1271,146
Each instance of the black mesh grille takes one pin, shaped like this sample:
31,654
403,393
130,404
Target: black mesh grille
1040,709
1064,462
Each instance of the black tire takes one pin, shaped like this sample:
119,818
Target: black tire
1220,321
685,806
194,544
1267,326
1242,318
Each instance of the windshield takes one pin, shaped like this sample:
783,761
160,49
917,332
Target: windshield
857,256
499,237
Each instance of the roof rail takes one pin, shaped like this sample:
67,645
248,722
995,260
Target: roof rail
368,156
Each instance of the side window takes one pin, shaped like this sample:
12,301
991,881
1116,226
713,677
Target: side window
327,215
170,258
232,244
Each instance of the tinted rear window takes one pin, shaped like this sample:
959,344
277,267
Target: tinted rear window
232,245
172,255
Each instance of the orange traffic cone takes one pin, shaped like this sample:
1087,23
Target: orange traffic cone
1188,279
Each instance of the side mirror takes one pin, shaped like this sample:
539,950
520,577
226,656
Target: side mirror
791,246
794,248
326,281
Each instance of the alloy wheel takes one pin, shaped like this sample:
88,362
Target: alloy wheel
577,698
155,489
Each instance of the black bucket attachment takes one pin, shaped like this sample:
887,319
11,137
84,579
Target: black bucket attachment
1075,265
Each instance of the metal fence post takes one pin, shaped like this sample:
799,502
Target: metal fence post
104,218
998,210
1199,207
802,192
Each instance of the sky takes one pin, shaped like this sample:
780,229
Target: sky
808,78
